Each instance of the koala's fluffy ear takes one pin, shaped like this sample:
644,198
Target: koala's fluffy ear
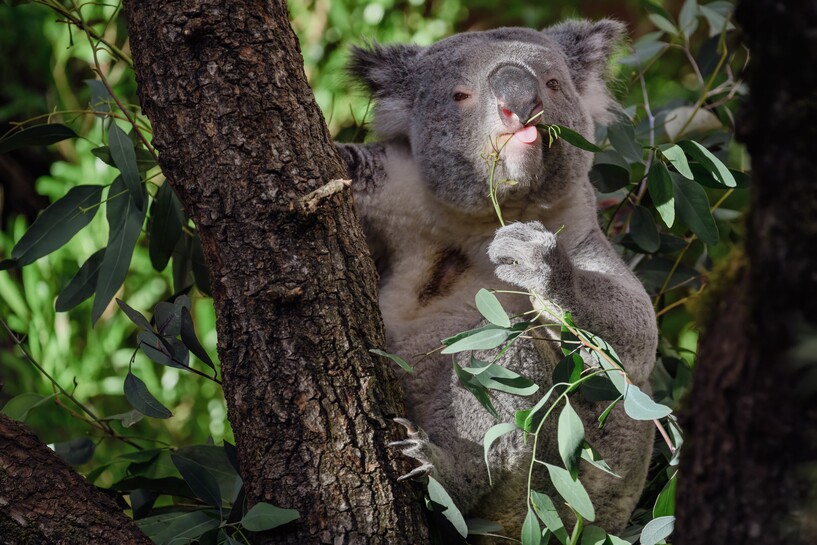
387,72
588,46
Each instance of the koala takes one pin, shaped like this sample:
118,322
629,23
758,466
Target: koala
422,194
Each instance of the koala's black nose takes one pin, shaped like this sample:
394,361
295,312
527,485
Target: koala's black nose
517,94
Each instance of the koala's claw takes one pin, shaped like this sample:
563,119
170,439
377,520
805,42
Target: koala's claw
416,446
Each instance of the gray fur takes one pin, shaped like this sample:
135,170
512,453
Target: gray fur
422,193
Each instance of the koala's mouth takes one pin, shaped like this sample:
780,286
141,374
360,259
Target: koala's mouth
526,136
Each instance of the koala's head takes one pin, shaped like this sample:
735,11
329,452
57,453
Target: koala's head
457,101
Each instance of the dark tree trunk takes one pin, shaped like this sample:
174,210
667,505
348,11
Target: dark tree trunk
43,500
752,415
244,145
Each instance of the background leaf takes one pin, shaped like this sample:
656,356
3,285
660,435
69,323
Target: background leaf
265,516
38,135
142,400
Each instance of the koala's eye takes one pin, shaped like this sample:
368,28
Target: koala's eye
459,97
553,84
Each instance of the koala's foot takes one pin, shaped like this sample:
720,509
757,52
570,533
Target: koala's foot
416,446
527,255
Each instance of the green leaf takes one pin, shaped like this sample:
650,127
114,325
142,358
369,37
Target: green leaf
692,206
39,135
58,224
494,433
643,229
688,18
470,383
481,340
709,161
570,438
593,535
165,226
18,407
614,540
142,400
163,350
663,24
134,315
144,160
124,157
82,285
496,377
643,53
396,359
481,527
603,416
168,319
575,139
190,340
125,220
656,530
659,184
491,309
599,388
187,527
665,502
544,507
200,481
592,457
608,178
572,491
76,451
675,155
640,406
622,137
265,516
531,532
568,370
438,495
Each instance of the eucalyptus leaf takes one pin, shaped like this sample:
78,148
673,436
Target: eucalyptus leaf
709,161
481,527
640,406
200,481
264,516
438,495
58,224
572,491
575,139
531,531
396,359
482,340
547,512
643,229
188,333
142,400
657,530
76,451
134,315
165,226
659,183
675,155
491,309
593,535
692,206
665,502
38,135
125,220
124,157
622,137
82,285
18,407
570,437
494,433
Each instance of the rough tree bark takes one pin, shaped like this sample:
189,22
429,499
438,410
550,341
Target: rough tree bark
750,418
244,145
43,500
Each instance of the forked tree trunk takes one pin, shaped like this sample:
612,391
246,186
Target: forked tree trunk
43,500
752,413
244,145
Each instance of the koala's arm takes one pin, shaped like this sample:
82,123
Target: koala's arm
365,164
591,282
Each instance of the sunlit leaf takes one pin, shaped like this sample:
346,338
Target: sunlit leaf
491,309
656,530
572,491
494,433
547,512
640,406
531,531
570,437
659,184
438,495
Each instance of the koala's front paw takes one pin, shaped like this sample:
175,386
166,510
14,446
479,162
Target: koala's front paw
527,255
416,446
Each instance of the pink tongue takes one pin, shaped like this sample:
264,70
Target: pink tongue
527,135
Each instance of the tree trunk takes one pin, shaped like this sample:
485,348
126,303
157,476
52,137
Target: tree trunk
244,145
751,415
43,500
